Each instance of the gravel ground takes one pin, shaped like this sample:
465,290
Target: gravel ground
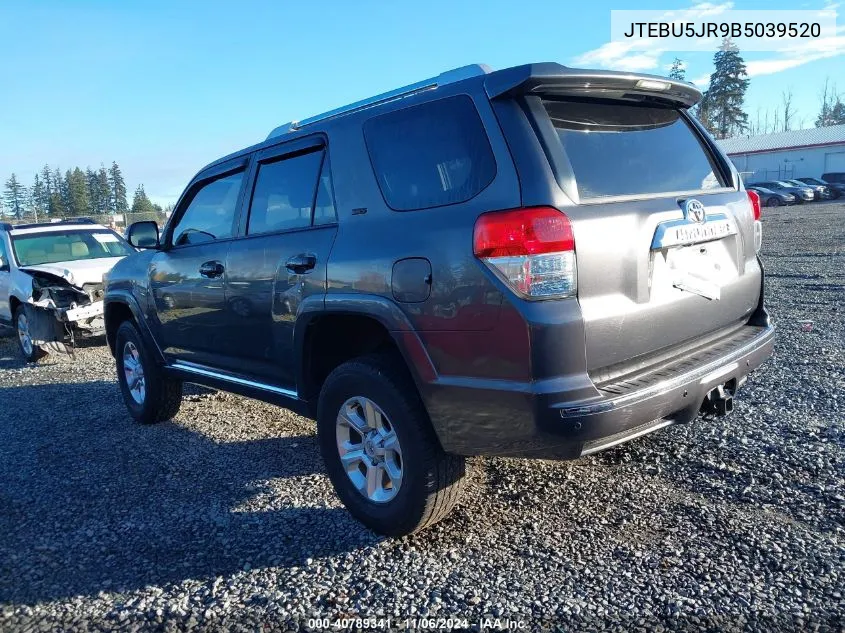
223,518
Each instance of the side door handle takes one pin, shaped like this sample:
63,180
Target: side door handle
302,263
212,269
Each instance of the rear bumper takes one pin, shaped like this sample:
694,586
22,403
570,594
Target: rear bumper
538,420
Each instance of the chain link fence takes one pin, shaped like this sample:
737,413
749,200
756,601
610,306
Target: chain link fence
116,221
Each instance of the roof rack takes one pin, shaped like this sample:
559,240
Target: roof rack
448,77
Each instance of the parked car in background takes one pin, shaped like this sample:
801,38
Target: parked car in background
51,281
802,194
820,192
490,276
835,177
837,190
769,198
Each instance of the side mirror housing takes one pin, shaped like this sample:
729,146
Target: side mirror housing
4,265
143,234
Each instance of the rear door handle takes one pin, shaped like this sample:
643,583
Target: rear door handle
212,269
302,263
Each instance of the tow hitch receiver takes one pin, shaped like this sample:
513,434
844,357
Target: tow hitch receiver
720,400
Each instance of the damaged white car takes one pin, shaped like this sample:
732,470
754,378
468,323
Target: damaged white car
51,281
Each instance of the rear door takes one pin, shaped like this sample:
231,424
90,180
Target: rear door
664,241
280,258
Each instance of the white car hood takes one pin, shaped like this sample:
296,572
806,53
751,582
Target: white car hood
78,273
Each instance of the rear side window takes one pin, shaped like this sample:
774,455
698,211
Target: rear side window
631,150
292,193
430,155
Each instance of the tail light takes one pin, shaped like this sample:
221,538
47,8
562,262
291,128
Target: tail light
754,198
532,250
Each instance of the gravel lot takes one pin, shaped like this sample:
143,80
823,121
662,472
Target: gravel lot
223,518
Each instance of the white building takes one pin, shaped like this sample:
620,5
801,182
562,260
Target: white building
783,155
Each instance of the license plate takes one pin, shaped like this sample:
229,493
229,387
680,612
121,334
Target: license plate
694,270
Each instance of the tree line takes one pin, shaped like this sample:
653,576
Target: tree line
75,193
721,109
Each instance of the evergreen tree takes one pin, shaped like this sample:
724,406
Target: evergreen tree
60,196
93,191
39,201
16,197
77,188
141,203
47,189
726,94
678,70
118,190
103,191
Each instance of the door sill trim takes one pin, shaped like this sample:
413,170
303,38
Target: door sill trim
200,370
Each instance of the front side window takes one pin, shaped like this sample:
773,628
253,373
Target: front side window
292,193
211,212
618,149
430,155
68,246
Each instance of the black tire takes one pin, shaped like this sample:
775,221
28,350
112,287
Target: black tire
162,396
774,201
35,352
432,479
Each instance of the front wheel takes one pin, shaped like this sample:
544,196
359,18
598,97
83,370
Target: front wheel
149,395
31,352
380,450
774,201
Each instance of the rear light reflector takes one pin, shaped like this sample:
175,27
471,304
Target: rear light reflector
532,250
754,199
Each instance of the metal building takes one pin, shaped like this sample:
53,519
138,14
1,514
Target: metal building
783,155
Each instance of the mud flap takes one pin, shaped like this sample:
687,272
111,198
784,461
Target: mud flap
46,330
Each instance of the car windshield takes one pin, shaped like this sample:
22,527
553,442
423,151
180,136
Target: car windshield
32,249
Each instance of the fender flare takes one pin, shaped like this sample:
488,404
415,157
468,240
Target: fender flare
127,299
376,307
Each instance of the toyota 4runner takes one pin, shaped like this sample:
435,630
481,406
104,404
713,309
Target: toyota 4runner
533,262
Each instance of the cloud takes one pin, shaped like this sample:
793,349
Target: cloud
644,54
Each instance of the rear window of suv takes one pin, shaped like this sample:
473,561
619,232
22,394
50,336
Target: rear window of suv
430,155
630,150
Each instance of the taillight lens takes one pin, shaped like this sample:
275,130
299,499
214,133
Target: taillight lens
754,199
532,250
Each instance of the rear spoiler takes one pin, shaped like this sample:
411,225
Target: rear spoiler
556,80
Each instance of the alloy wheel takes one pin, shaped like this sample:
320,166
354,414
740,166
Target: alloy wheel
24,335
133,371
369,449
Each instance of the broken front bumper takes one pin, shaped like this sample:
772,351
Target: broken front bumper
85,312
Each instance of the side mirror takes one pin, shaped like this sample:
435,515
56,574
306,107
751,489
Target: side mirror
143,234
4,265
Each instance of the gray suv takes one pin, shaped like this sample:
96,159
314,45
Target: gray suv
533,262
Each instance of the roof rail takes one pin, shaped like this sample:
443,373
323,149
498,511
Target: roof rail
444,78
34,225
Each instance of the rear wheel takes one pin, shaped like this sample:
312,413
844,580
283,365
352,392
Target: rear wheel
774,201
380,450
148,393
31,352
